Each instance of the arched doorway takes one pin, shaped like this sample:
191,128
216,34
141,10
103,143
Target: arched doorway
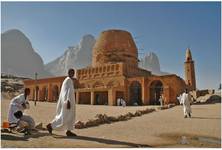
36,93
156,89
44,93
55,93
101,98
135,93
33,94
84,97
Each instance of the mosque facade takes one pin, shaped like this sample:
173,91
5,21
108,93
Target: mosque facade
114,74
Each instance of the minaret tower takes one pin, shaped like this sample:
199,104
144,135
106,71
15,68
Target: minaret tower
189,71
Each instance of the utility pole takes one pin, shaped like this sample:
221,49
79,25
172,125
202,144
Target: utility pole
36,88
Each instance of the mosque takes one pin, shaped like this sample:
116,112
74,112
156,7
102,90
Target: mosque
114,73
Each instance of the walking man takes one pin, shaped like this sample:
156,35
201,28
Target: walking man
65,111
186,100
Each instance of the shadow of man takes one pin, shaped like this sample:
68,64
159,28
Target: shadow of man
204,118
20,137
101,140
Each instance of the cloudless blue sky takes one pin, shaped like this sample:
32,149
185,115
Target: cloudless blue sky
166,28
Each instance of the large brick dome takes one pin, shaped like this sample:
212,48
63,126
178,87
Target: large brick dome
114,46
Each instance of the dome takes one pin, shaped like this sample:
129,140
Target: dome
115,46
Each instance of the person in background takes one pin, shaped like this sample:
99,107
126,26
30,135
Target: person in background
186,102
122,102
161,100
118,101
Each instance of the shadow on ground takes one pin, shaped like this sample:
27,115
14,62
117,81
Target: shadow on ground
204,118
19,137
101,140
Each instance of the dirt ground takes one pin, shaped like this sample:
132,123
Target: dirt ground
162,128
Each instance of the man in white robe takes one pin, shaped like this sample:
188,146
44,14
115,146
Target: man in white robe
186,101
118,102
18,103
65,111
161,100
122,102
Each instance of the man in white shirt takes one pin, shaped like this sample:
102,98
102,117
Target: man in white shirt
18,103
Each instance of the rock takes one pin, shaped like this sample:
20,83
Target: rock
103,118
122,118
91,123
112,119
184,140
150,110
130,114
99,121
127,116
138,113
79,125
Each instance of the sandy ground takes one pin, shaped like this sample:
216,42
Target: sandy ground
162,128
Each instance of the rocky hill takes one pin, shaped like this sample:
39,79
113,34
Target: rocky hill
18,56
77,57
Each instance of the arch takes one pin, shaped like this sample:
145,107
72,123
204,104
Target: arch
156,89
37,93
55,93
135,93
44,93
101,98
33,94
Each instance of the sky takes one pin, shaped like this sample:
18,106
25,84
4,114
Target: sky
165,28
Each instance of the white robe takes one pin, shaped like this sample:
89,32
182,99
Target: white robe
16,105
118,101
122,102
64,119
186,100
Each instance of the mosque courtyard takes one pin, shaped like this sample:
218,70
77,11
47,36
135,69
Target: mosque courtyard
161,128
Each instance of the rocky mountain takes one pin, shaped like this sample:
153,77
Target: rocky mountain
18,56
151,62
77,57
20,59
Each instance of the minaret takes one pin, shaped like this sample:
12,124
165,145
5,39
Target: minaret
189,71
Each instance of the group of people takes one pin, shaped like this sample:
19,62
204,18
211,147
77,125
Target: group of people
65,110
